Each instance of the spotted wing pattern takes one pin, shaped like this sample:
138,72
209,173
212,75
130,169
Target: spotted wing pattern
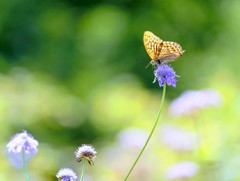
159,50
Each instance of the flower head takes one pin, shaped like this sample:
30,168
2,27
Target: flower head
66,174
165,74
21,142
86,152
182,170
190,101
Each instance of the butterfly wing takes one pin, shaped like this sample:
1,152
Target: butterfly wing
169,51
159,50
152,44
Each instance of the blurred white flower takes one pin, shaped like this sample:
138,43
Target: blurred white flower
66,174
182,170
132,137
178,139
190,101
21,142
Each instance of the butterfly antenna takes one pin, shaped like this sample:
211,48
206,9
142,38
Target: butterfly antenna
148,65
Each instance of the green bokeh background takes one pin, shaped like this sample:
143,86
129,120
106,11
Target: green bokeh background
73,72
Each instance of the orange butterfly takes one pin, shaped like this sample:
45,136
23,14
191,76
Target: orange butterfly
161,51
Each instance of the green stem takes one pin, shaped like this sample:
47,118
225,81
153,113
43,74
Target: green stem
149,137
83,169
25,172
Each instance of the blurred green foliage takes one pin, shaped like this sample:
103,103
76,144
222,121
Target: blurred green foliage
74,72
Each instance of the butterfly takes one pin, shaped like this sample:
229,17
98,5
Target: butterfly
161,51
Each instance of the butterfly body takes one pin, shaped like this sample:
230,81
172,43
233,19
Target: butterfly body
161,51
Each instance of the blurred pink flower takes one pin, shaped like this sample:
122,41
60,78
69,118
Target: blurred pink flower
178,139
182,170
190,101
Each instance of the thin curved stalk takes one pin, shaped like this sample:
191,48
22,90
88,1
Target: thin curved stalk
25,172
83,169
151,133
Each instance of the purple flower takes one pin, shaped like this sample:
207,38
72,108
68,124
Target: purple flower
86,152
21,142
178,139
66,174
190,101
164,73
182,170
